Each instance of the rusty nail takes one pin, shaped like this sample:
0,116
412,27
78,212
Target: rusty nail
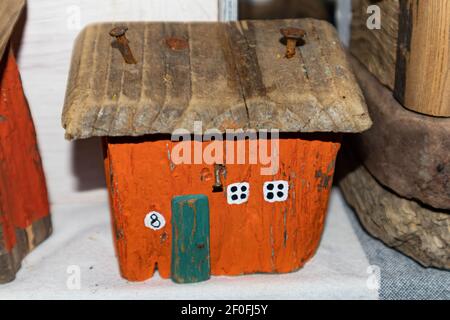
164,237
292,36
219,170
120,34
177,44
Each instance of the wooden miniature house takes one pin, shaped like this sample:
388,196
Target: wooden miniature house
24,208
193,220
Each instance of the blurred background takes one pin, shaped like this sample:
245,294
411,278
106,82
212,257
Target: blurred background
337,12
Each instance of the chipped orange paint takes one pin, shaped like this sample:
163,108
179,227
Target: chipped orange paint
23,193
253,237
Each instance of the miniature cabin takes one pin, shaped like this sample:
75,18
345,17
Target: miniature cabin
24,208
190,220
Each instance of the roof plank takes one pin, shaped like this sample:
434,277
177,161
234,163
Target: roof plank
228,75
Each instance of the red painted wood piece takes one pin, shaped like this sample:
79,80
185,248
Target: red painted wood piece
253,237
23,192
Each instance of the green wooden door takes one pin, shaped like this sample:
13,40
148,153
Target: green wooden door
190,239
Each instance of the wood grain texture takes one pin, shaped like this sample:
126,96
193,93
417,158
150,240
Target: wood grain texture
423,62
411,52
404,150
376,49
256,236
10,11
190,243
417,231
229,75
26,240
24,207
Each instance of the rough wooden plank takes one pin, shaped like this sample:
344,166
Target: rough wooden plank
211,71
404,150
190,243
10,11
417,231
24,220
178,90
376,49
423,61
243,49
225,75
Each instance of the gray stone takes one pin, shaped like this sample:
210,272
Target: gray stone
405,225
406,151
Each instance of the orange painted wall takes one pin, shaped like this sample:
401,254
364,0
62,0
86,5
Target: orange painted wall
254,237
23,193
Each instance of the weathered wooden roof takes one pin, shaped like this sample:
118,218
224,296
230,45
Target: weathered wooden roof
9,13
227,75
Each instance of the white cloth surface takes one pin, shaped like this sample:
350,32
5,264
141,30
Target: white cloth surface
82,237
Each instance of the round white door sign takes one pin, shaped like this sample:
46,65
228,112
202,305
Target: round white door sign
154,220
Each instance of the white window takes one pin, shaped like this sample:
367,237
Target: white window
276,191
238,193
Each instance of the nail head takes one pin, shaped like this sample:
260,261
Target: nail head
177,43
118,31
293,33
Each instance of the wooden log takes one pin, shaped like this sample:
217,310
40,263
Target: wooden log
411,52
376,49
405,225
405,151
190,243
24,207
